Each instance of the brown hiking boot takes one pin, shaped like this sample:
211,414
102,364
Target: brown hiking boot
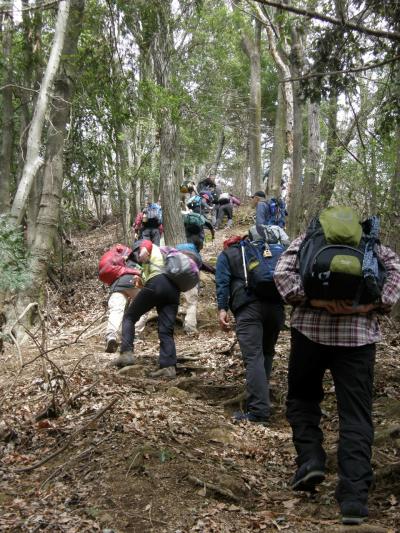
124,359
168,372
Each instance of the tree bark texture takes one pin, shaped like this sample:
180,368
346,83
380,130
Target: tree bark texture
294,200
49,211
287,91
7,122
252,47
162,53
312,165
278,148
33,156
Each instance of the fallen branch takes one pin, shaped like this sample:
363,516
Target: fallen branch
98,415
215,488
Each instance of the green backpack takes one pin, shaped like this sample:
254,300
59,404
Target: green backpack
193,222
332,257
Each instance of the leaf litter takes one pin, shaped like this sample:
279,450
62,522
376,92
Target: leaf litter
86,449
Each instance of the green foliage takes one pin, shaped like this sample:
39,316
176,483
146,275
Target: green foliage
13,257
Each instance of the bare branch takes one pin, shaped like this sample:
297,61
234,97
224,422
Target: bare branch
391,35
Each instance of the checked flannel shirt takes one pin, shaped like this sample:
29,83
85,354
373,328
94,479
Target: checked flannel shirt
319,325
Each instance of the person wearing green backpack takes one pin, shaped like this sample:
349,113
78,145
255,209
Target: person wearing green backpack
338,278
194,228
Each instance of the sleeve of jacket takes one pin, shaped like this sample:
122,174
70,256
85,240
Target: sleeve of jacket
287,277
223,281
261,213
391,288
209,226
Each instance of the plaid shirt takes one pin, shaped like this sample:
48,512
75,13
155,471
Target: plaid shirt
322,327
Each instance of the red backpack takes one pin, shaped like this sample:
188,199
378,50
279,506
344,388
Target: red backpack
112,264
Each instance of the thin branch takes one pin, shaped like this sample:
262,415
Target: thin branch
44,5
368,66
81,428
392,35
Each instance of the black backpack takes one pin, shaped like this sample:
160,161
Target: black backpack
338,261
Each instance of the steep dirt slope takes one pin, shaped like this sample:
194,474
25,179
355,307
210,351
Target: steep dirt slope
105,451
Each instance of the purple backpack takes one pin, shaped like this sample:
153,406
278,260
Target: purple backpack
181,269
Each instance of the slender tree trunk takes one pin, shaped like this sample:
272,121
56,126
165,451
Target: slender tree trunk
252,47
7,115
395,196
218,154
296,61
287,91
278,148
50,202
311,171
33,159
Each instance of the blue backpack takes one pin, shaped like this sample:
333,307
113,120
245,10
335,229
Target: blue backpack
152,216
276,212
259,262
194,201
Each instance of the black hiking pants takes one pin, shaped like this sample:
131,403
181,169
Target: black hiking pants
151,234
257,328
162,294
224,210
352,370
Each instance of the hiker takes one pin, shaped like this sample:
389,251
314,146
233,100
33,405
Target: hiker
148,223
269,212
194,228
160,292
123,289
259,316
209,186
338,278
200,203
225,208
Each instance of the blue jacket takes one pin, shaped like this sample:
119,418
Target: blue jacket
230,281
271,212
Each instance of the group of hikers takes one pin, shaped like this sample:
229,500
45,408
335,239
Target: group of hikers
337,277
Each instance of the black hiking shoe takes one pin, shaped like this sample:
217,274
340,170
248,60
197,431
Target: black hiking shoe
239,416
111,345
353,512
308,475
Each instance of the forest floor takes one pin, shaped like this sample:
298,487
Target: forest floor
86,448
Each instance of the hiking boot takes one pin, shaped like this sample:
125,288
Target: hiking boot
111,345
168,372
308,475
239,416
353,512
124,359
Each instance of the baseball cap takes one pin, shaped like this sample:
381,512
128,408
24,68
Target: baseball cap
261,194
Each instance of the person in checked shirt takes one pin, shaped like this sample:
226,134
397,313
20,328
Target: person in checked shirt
338,336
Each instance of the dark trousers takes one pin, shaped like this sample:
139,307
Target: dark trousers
257,329
352,370
224,210
151,234
196,239
162,294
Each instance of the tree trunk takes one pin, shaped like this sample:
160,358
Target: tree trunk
33,159
218,155
7,115
48,216
162,50
311,171
296,63
278,148
394,238
287,90
252,47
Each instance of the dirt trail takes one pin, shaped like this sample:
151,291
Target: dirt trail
109,451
